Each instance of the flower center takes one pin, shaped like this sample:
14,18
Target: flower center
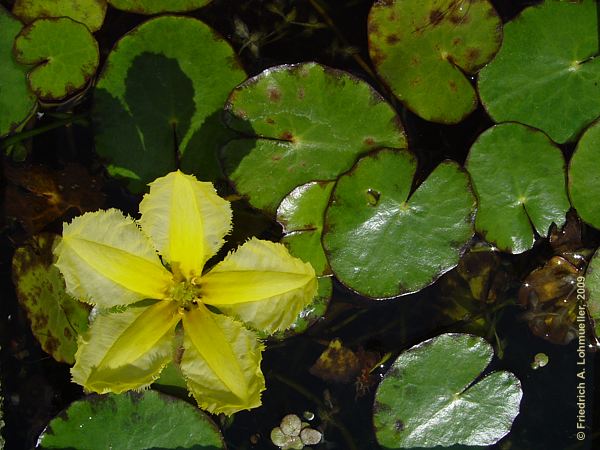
186,293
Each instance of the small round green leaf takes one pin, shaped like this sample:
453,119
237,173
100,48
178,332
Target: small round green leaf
157,6
56,318
546,74
301,216
134,420
423,49
381,240
519,177
310,123
17,102
89,12
584,183
158,101
432,396
592,285
65,55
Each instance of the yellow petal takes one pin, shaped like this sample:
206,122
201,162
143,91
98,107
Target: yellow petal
186,221
261,284
126,350
221,362
106,260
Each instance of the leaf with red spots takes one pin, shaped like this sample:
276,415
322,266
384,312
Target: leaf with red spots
308,122
424,49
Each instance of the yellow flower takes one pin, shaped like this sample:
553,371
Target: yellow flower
111,262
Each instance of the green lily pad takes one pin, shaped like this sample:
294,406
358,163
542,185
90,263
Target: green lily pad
423,49
545,75
383,241
143,419
17,102
301,216
89,12
584,184
157,6
433,395
56,318
157,103
519,177
310,123
592,285
64,53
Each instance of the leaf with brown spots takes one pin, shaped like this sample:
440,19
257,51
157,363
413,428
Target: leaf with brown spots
63,53
56,318
437,384
308,122
424,48
37,196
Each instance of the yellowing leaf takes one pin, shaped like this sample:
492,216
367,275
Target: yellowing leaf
126,350
107,261
221,362
186,220
262,284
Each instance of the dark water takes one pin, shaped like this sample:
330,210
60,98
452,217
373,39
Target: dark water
36,388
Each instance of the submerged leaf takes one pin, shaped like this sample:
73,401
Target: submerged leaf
36,195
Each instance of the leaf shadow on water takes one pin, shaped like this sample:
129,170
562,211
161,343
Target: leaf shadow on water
145,135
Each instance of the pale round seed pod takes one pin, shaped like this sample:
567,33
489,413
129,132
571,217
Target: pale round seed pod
310,436
291,425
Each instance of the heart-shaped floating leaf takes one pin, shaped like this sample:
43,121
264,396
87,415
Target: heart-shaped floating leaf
301,215
56,318
65,55
592,285
431,396
584,183
310,122
546,74
89,12
157,6
423,49
17,102
381,240
158,101
143,419
519,177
